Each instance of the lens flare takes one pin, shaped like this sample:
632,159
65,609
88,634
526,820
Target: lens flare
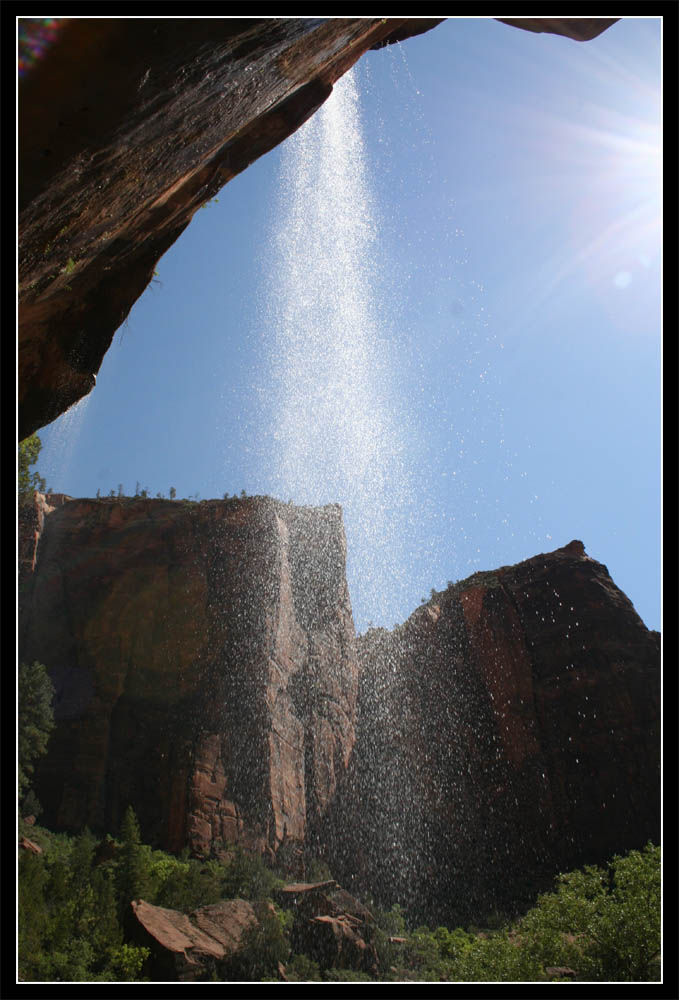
36,36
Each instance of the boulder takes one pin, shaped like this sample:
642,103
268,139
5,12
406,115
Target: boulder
189,946
29,845
330,926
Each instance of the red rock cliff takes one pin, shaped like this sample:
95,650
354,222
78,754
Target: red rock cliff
204,663
507,731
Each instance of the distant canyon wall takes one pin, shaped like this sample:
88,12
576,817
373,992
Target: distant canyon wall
208,674
126,128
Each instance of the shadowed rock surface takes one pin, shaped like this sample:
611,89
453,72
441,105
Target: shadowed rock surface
207,673
330,925
204,662
509,730
128,126
580,29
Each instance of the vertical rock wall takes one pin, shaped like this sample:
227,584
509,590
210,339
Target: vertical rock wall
507,731
204,661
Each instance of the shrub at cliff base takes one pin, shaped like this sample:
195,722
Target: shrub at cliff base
68,916
262,947
35,720
598,924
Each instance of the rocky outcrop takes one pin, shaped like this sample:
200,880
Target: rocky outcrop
507,731
29,845
204,662
580,29
189,947
32,513
126,128
330,926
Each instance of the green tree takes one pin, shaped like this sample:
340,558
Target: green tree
133,868
247,876
28,481
301,969
35,719
602,924
605,924
125,963
263,945
33,915
173,493
189,884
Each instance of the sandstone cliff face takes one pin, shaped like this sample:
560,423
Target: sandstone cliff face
31,525
507,731
127,127
204,663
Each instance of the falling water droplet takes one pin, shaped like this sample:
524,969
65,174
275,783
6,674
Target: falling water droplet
330,397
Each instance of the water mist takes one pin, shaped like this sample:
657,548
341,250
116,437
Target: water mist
330,400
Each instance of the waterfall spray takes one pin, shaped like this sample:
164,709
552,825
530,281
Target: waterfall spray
59,441
330,400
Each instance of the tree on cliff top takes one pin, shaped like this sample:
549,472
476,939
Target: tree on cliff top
27,481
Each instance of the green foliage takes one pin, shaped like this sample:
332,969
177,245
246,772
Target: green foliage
388,924
124,963
347,976
263,945
247,877
28,481
605,924
71,908
301,968
133,881
318,871
68,923
602,923
186,885
33,916
35,719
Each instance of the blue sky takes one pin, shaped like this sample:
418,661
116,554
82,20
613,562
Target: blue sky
501,203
